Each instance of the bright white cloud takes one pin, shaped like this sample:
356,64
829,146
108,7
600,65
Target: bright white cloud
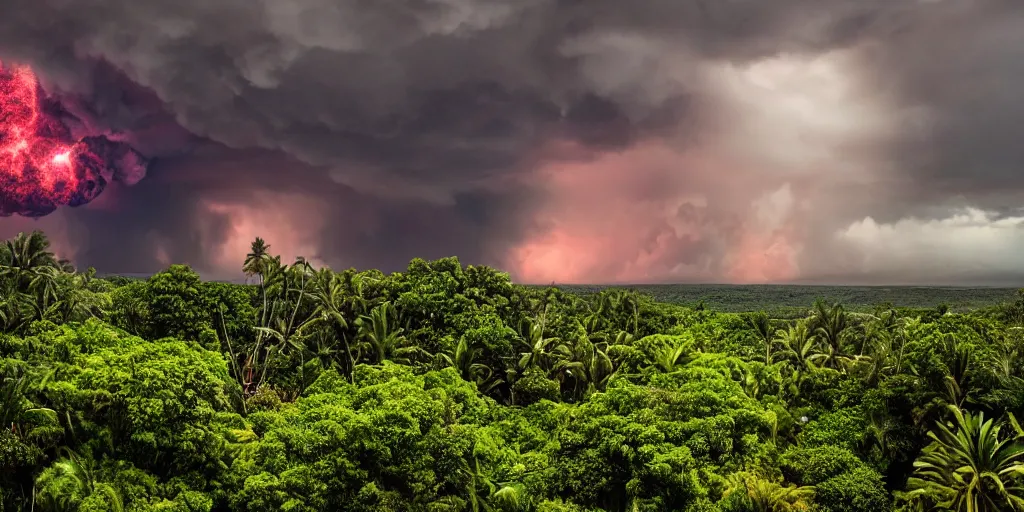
802,114
969,242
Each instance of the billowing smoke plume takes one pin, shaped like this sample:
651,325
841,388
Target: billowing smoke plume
565,140
41,165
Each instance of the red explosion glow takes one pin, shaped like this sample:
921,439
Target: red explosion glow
41,165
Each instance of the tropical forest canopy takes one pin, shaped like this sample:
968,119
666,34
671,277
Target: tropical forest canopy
448,388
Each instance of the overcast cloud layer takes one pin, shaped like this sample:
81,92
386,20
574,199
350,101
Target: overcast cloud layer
831,141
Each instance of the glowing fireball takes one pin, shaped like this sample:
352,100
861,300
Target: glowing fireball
41,166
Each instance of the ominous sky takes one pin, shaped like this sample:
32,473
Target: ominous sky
595,141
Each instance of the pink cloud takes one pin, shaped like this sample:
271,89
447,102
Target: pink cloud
289,222
651,213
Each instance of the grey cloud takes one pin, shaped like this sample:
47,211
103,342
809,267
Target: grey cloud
962,67
298,75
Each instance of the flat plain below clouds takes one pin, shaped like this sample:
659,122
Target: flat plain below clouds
741,298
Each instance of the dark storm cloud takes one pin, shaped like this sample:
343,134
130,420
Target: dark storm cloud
173,228
440,83
964,67
417,125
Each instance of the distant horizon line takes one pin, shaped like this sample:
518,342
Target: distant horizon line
707,284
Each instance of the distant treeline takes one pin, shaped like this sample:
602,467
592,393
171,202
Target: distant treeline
796,298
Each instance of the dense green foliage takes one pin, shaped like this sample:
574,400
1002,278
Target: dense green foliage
448,388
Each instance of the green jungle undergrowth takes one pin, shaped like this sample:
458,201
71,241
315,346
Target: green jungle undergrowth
449,388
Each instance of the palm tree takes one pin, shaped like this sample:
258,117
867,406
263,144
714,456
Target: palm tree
381,331
72,479
1010,358
44,284
970,467
323,346
281,326
881,352
797,344
34,281
64,297
484,493
464,359
257,259
287,341
24,254
540,351
597,366
762,326
883,324
668,357
16,307
629,304
259,262
273,283
17,413
1006,366
355,287
764,495
331,302
831,326
958,370
585,362
617,309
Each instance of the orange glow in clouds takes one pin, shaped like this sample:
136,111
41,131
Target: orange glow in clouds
291,227
758,258
651,214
